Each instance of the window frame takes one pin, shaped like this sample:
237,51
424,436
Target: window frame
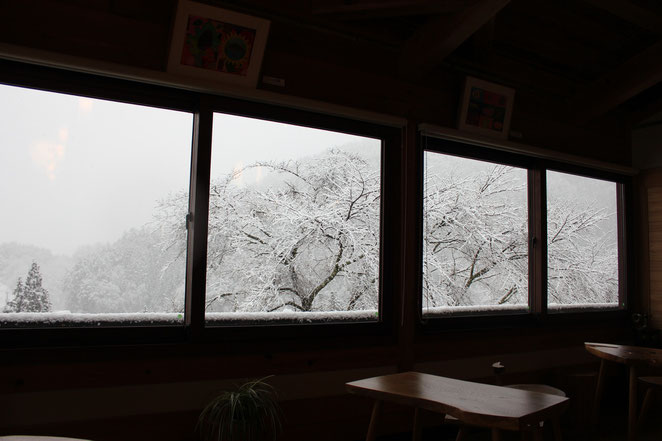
202,106
390,175
400,160
537,168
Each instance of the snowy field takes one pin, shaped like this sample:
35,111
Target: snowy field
66,318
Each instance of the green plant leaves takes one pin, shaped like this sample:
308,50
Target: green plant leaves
249,413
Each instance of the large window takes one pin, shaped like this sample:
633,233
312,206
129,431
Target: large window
84,189
504,233
198,216
112,205
294,223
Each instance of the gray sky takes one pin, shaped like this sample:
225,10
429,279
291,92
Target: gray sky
579,189
78,171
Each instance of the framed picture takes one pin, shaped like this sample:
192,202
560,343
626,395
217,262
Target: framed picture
486,108
217,44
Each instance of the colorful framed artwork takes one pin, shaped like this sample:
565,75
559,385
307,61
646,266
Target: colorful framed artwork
486,108
217,44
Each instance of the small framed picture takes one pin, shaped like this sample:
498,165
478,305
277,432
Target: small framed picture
486,108
217,44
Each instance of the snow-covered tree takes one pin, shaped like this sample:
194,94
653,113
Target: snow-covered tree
16,305
31,296
583,254
476,243
475,239
308,242
306,239
132,274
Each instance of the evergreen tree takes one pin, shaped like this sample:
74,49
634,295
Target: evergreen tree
15,305
31,296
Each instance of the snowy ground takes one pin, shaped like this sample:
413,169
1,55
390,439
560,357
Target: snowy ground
65,318
496,309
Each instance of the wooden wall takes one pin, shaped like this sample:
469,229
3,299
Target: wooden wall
647,144
655,254
649,241
101,400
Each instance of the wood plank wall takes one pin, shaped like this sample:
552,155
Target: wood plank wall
651,285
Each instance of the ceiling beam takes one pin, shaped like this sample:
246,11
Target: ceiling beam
440,36
632,13
366,9
483,41
629,79
651,109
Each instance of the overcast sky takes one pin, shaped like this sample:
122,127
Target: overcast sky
78,171
580,190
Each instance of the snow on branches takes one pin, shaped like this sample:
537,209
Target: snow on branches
30,296
304,236
475,241
305,240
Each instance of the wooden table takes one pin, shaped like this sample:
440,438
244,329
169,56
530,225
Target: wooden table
633,357
477,404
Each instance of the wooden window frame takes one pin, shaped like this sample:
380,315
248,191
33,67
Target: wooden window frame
538,313
203,106
401,230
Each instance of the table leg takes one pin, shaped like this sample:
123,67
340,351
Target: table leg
496,435
536,433
461,434
556,427
632,404
418,424
598,391
372,428
644,407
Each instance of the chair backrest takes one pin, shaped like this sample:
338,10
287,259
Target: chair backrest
498,368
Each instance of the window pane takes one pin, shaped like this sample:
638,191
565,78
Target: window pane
294,221
86,187
582,238
475,234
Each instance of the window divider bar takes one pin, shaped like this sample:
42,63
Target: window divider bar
196,265
537,241
622,226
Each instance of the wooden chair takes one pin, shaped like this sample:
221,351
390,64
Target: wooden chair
653,383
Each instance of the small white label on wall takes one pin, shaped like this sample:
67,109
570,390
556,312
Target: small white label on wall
280,82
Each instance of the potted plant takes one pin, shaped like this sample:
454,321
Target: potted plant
249,413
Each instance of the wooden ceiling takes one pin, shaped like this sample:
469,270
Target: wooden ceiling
596,56
589,59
